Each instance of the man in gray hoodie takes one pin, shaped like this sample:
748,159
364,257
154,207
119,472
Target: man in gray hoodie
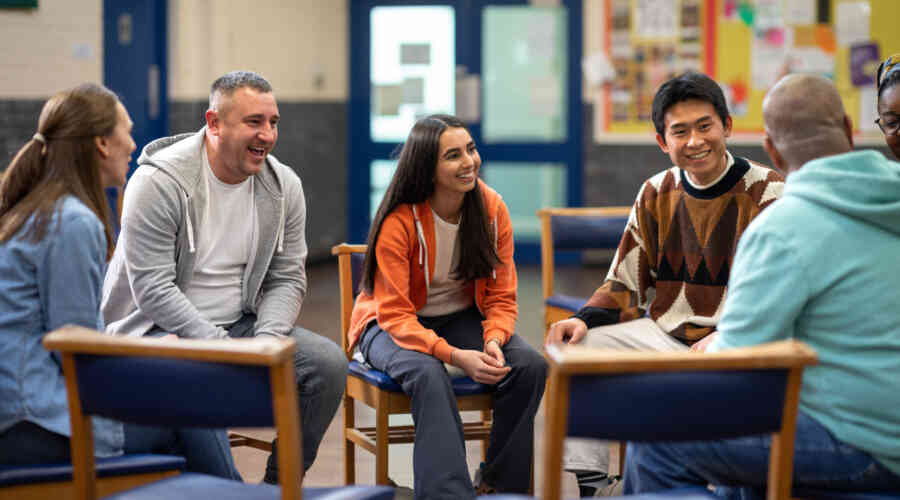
213,245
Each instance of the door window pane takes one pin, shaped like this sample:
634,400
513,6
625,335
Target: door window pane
413,58
380,171
525,188
524,71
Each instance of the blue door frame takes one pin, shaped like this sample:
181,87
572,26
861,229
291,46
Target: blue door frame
126,66
361,150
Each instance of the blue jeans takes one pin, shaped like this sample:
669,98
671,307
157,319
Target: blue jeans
439,452
321,370
739,467
205,450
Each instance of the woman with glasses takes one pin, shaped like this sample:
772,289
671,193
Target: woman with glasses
889,102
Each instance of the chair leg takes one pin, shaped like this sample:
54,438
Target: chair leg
349,448
617,457
486,442
381,439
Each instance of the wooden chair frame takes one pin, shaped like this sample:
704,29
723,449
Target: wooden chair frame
385,403
568,361
276,354
553,314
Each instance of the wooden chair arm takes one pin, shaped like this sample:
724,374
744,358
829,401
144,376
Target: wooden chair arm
785,354
264,350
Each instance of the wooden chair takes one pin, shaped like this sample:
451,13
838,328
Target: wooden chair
378,391
573,229
43,481
203,383
747,391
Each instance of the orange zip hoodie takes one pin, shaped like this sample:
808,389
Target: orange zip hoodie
404,247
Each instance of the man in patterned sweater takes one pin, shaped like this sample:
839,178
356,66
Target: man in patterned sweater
667,283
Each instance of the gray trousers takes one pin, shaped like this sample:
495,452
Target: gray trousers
439,452
582,454
321,370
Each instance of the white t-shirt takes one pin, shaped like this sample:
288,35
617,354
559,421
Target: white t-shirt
225,240
445,295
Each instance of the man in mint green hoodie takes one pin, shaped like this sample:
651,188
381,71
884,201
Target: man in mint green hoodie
817,266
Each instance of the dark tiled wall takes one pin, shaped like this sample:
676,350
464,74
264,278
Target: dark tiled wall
18,122
312,141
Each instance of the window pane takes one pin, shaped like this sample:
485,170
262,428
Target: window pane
525,66
413,57
380,172
525,188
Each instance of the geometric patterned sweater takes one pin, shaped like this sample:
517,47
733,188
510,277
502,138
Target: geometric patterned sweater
677,249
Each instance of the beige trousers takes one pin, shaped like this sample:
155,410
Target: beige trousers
641,334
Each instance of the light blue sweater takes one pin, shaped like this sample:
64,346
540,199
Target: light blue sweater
43,286
820,265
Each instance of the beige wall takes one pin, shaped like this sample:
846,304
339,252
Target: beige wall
57,45
300,46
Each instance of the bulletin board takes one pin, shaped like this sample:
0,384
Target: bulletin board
745,45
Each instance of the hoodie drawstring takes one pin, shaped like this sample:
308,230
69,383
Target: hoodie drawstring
190,226
496,247
281,228
423,249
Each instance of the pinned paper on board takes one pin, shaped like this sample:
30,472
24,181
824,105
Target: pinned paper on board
852,22
864,61
800,12
656,18
867,110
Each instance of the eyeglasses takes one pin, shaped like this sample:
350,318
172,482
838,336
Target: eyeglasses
890,126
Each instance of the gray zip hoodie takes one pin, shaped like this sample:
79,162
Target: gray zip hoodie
163,208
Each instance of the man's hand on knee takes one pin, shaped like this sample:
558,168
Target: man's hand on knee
567,331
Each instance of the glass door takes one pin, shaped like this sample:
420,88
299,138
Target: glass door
508,69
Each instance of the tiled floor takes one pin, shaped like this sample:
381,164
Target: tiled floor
320,314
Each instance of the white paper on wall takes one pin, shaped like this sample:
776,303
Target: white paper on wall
852,22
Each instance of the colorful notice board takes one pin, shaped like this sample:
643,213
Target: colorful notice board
745,45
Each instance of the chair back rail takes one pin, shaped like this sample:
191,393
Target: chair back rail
115,377
676,396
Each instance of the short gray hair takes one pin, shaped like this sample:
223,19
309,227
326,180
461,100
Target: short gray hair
225,85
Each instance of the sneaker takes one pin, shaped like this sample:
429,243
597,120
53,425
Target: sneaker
612,489
400,492
480,485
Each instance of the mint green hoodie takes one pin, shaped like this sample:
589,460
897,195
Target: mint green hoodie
820,265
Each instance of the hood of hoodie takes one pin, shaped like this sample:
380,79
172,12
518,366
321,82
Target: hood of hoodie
168,152
863,185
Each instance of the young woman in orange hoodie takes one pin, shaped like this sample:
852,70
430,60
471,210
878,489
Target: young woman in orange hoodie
439,286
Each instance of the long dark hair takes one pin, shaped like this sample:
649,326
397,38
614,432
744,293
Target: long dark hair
413,182
66,162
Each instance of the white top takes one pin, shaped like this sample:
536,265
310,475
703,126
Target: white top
445,295
225,239
729,161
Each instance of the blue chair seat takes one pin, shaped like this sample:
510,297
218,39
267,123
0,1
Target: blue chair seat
143,463
188,486
689,493
462,386
566,302
844,495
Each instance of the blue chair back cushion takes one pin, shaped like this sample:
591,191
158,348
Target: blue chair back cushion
143,463
462,386
698,405
581,232
567,302
356,268
153,392
210,487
